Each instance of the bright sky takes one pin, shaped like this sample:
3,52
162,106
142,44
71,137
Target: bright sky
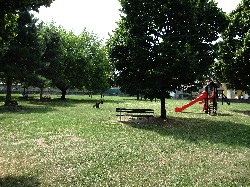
98,16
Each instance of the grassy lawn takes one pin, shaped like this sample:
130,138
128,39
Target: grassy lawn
71,143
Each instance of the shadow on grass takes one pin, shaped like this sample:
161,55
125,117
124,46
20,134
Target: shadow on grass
48,105
245,112
196,130
26,109
70,102
19,181
203,113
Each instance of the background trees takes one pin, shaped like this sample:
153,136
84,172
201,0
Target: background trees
234,49
162,45
75,61
46,55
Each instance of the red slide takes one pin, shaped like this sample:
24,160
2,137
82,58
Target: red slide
202,96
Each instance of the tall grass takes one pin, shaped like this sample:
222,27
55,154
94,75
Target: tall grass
70,143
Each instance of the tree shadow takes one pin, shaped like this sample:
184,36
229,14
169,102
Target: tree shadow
70,102
19,181
47,105
195,130
26,109
245,112
203,113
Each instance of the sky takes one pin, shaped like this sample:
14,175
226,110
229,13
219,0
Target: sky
97,16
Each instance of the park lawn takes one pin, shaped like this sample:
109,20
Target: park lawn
70,143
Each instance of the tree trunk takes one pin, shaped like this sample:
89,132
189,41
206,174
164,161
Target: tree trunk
24,90
63,97
138,96
8,91
2,26
163,107
41,93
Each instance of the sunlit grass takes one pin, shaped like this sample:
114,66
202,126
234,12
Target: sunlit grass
70,143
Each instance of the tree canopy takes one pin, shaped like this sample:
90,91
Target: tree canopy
8,7
75,61
42,54
22,57
12,6
162,45
234,49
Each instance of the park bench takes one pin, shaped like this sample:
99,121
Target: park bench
135,113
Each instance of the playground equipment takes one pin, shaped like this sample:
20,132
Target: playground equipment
210,102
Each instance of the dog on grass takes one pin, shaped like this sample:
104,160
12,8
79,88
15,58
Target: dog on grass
97,104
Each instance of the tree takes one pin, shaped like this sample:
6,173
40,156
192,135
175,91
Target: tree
8,18
22,57
234,49
52,57
99,68
74,61
9,10
87,62
167,44
13,7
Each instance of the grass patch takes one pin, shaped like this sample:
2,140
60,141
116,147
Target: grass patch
70,143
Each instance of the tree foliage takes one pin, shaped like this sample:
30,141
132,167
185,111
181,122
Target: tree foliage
12,6
52,57
161,45
234,49
75,61
8,11
22,57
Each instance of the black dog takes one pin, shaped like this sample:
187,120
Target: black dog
97,104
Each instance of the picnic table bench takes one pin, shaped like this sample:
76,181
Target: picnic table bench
138,113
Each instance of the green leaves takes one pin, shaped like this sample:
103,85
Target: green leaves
12,6
234,50
75,61
8,16
22,55
161,45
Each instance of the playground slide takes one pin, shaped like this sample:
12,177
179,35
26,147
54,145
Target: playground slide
202,96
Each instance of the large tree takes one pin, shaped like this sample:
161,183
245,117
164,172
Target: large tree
234,49
14,6
8,10
22,57
128,56
99,68
166,44
75,61
52,57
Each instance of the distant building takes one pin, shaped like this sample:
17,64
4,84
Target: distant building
234,94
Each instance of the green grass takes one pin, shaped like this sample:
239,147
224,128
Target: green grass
71,143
